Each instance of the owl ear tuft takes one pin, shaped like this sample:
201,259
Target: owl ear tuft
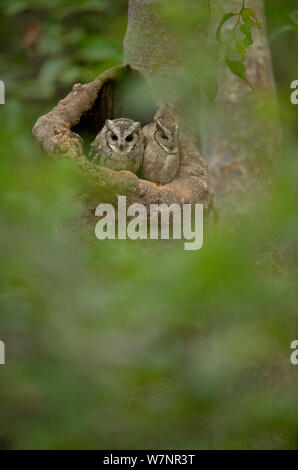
136,126
159,124
109,123
162,127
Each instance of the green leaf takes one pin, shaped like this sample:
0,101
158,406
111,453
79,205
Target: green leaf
225,18
241,48
246,30
249,17
238,69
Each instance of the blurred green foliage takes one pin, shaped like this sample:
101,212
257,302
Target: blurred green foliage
283,35
123,344
51,44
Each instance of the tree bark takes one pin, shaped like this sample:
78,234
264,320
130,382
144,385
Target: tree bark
160,46
241,130
151,50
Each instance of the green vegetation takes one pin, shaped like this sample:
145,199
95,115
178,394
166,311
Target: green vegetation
123,344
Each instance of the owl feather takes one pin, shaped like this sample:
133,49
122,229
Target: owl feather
119,145
161,155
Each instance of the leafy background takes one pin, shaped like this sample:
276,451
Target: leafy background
135,344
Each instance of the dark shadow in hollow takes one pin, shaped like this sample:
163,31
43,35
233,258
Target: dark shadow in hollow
127,96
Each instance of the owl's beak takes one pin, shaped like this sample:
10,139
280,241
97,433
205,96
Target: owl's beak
121,147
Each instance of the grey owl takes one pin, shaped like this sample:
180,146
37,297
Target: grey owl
161,155
119,145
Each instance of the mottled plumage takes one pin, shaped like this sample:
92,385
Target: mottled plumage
161,155
119,145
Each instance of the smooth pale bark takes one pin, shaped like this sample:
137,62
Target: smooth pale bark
159,46
241,130
151,50
148,44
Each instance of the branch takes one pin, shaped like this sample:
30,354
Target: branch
191,186
54,132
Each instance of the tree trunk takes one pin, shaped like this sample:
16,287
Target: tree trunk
158,45
241,131
154,55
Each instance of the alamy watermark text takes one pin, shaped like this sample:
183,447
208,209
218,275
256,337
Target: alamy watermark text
2,92
134,222
2,353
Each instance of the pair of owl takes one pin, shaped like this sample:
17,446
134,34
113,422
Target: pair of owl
152,152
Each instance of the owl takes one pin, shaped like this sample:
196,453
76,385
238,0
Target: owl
119,145
161,154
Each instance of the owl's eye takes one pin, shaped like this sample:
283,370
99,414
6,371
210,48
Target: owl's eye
163,136
129,138
114,137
